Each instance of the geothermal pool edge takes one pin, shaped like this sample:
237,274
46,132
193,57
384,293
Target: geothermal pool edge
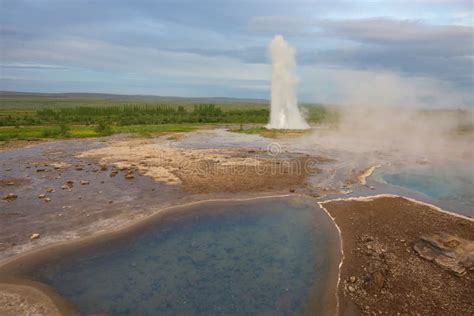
12,268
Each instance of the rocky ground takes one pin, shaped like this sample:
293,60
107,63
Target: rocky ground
64,190
382,273
209,170
394,261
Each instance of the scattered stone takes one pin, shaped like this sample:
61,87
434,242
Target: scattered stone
8,169
50,190
40,170
378,280
352,279
47,199
84,182
10,197
64,187
103,167
35,236
449,252
41,196
110,202
70,183
11,183
292,190
79,168
113,173
351,288
129,176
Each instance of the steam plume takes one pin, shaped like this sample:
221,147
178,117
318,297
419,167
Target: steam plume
284,113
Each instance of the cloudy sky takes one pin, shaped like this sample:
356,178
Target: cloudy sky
416,52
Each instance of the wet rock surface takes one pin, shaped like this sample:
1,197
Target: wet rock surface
450,252
54,202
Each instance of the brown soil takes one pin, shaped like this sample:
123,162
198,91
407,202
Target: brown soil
14,182
382,274
13,144
208,170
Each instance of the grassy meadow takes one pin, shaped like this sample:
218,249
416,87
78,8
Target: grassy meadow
39,117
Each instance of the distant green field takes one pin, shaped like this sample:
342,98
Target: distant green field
35,118
80,131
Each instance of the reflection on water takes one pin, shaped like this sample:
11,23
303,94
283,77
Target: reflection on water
260,257
448,183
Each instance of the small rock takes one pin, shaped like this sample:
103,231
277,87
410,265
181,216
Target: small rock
79,168
352,279
129,176
64,187
103,167
11,183
113,173
40,170
351,288
10,197
50,190
84,182
378,280
35,236
47,199
292,190
41,196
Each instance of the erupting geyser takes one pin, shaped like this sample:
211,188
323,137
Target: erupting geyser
284,112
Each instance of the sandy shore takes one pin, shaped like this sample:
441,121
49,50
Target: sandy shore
382,274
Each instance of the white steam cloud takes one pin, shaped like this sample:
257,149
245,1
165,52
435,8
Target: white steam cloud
284,112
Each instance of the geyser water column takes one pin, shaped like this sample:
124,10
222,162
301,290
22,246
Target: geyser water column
284,112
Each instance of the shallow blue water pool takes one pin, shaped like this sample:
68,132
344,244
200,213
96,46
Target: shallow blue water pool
449,184
267,257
